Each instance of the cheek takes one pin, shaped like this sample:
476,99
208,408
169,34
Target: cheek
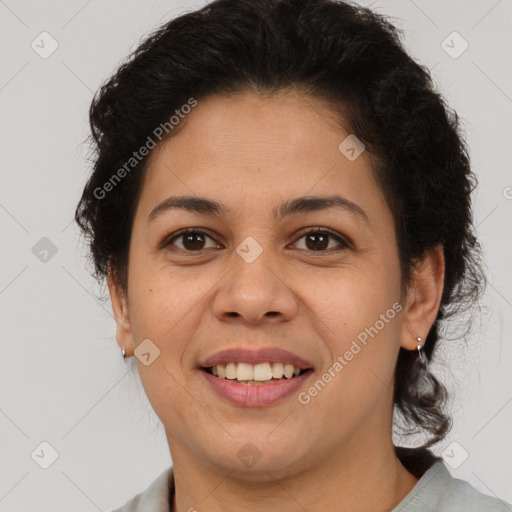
358,314
363,349
350,300
164,300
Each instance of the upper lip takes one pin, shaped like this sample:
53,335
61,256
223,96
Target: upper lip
262,355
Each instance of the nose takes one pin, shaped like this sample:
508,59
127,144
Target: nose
255,292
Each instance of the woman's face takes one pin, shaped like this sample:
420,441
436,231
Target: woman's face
258,281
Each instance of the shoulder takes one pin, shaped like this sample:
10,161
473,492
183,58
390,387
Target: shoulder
153,499
438,491
460,495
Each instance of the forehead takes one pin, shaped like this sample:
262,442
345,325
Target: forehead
250,150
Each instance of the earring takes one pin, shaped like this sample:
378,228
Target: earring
124,353
423,383
421,354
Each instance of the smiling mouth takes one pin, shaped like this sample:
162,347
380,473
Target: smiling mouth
255,374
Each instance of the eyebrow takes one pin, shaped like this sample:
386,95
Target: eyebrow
304,204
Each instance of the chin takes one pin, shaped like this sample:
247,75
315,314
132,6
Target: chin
258,461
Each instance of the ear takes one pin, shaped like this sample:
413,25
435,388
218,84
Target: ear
423,298
124,334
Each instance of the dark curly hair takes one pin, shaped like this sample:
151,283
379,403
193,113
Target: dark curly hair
345,54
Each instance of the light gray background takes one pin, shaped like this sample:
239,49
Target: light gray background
62,377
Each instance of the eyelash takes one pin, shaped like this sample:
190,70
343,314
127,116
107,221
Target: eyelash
169,240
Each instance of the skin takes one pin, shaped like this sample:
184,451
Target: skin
252,152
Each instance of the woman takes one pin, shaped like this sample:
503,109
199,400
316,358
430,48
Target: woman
280,204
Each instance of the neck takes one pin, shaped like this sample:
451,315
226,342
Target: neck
353,478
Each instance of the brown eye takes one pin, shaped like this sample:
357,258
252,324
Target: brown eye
318,240
191,240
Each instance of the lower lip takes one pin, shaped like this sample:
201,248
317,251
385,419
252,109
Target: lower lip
255,395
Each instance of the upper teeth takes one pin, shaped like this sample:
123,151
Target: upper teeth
258,372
